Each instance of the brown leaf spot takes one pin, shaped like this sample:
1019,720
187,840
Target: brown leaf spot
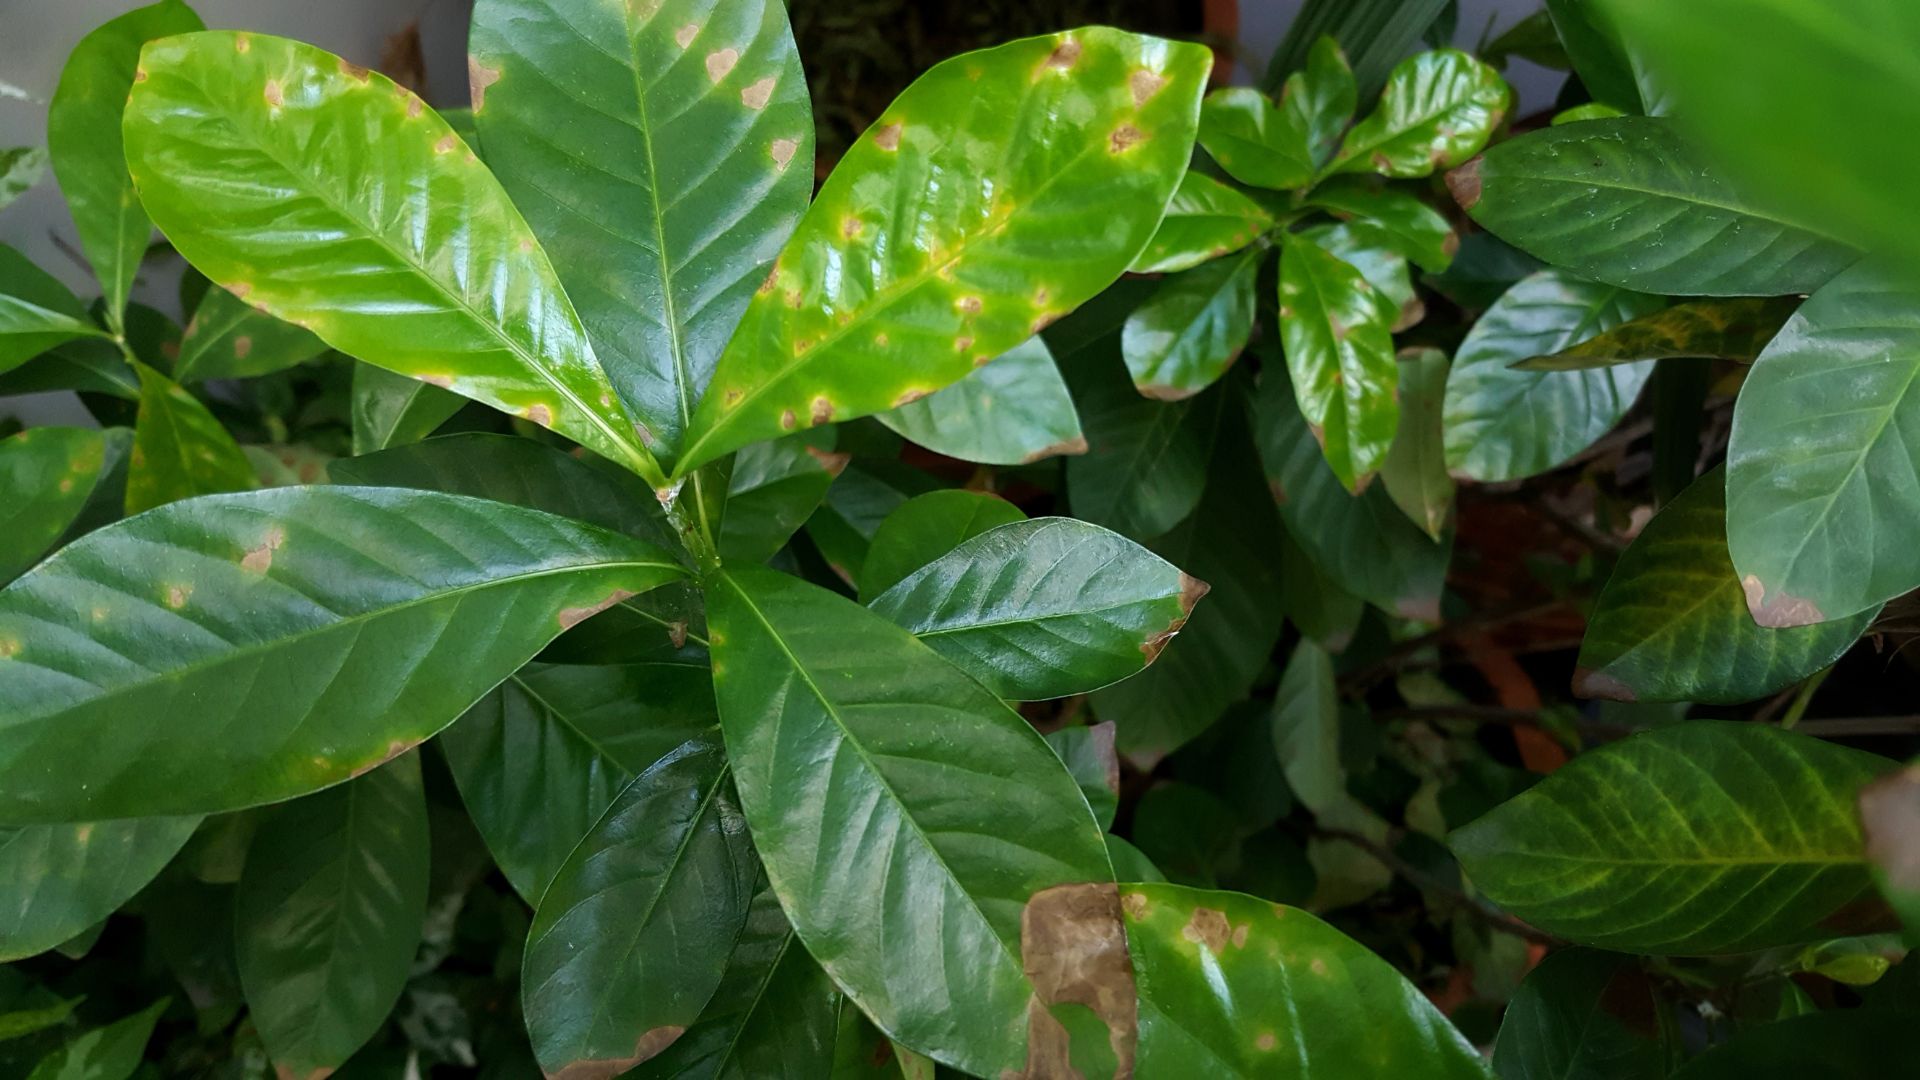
446,144
887,136
1073,946
1124,138
850,227
733,395
170,350
177,596
783,151
647,1046
773,278
1265,1041
242,42
758,94
573,616
1451,245
1135,905
834,464
273,95
684,36
258,559
394,749
1144,85
354,71
881,339
969,304
1464,183
540,414
909,396
1042,321
1318,966
1164,393
242,345
1890,812
1064,55
1191,590
1075,445
822,410
789,421
444,382
677,633
1780,612
720,62
1589,683
479,77
139,74
962,344
1240,935
1208,927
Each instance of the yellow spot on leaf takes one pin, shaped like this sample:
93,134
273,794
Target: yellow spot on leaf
1266,1040
242,42
822,410
9,648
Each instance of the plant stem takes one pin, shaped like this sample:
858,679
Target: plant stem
1805,697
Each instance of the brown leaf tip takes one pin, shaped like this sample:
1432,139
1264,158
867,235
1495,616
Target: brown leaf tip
1781,611
1589,683
647,1046
574,616
1464,183
1074,446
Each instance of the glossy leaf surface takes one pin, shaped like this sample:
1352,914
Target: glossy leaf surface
1736,329
228,339
1822,494
871,771
392,410
1672,623
1088,752
57,880
1205,220
83,136
1254,140
50,475
243,145
36,311
692,117
1045,608
1437,110
926,527
1146,460
1632,202
1319,99
179,449
1582,1013
1181,341
1415,471
773,489
113,1052
1504,423
1420,232
927,254
1014,411
632,937
314,613
1238,987
1339,351
328,915
1672,841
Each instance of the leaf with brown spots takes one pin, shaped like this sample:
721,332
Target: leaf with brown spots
1073,945
1013,411
57,480
1337,335
1437,110
231,339
179,449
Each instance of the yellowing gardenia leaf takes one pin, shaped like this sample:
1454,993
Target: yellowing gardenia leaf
1683,822
1415,471
1633,202
50,476
1672,622
632,937
1822,496
1438,109
1735,329
905,815
1014,411
1205,220
328,914
327,617
240,144
999,191
1504,423
1233,986
227,339
1254,140
689,115
1420,232
57,880
179,449
83,135
36,311
1178,343
392,410
1043,608
926,527
1319,100
1340,357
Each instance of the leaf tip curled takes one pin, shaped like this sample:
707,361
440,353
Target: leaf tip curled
1464,184
647,1046
1073,947
1589,683
1781,611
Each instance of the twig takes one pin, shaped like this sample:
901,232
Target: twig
1425,880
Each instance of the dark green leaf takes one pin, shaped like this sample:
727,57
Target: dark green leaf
113,1052
1319,100
1014,411
859,500
91,365
57,880
632,937
1532,38
1674,840
692,117
925,528
1505,423
1181,341
1599,57
872,771
1322,611
51,476
328,915
1205,220
1339,353
1147,460
775,486
1672,623
179,449
36,311
1419,231
392,410
1437,110
1700,329
1254,140
325,617
1415,471
1043,608
1088,753
1632,202
1186,831
1583,1013
1837,1042
951,275
1376,34
227,339
1375,253
1483,268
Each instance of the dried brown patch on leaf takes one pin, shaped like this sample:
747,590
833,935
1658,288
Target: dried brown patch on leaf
273,94
1191,590
479,77
720,62
1164,393
1075,445
833,463
1209,929
242,345
647,1046
1589,683
1890,814
1144,85
259,559
573,616
783,151
756,95
1124,138
1781,610
1073,946
354,71
887,136
822,410
394,749
1464,184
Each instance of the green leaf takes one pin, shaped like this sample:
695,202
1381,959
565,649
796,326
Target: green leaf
1415,471
1599,57
1376,34
1632,202
1362,543
773,1017
1205,220
1181,341
426,269
1319,100
319,615
1736,329
1506,423
18,1023
1043,608
692,117
632,937
1231,986
542,756
1672,623
1437,110
92,365
1306,729
1013,411
872,771
859,500
1418,231
57,880
1834,1042
1322,611
113,1052
36,311
392,410
774,488
1340,357
21,167
53,477
899,281
1483,268
1821,490
1583,1013
1673,841
1087,750
83,136
1254,140
925,528
1146,462
1374,252
179,449
228,339
328,915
